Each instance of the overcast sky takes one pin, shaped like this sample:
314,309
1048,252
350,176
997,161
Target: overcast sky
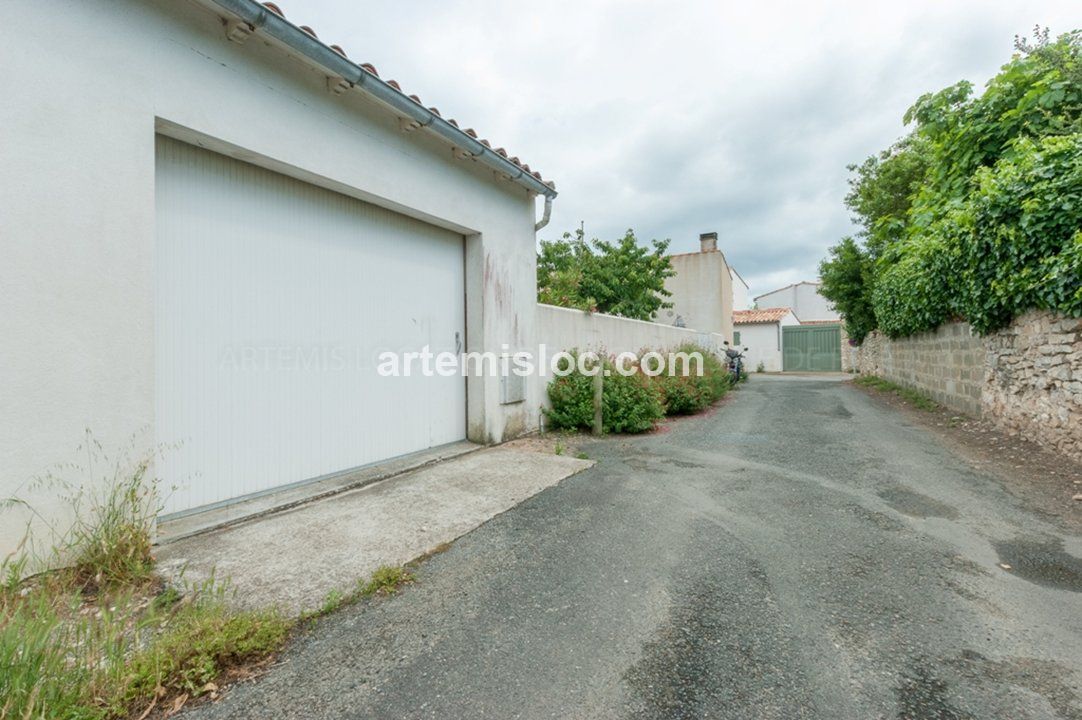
675,118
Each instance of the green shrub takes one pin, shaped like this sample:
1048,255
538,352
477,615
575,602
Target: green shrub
691,393
915,290
572,399
629,404
634,403
1025,247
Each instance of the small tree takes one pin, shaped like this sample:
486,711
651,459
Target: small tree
619,278
846,278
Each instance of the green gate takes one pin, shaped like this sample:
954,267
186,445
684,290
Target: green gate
811,348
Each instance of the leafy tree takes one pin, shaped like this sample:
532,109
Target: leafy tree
977,213
846,278
882,191
618,278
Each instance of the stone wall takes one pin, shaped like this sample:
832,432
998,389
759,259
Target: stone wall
849,352
1026,378
946,365
1033,380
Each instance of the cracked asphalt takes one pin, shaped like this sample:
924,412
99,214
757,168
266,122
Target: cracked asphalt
803,552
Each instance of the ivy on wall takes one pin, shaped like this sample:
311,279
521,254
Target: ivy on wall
977,213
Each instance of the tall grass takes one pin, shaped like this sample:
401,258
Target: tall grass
61,659
104,536
91,641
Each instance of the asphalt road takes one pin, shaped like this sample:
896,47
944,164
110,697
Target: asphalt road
803,552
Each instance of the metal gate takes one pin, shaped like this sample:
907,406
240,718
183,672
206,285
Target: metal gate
812,348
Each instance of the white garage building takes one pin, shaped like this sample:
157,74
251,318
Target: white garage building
212,223
760,331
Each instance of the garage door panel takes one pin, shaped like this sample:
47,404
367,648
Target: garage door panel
811,348
275,298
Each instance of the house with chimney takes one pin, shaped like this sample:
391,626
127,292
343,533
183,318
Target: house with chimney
702,290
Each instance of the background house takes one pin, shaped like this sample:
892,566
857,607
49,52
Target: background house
210,229
761,332
702,290
814,343
802,298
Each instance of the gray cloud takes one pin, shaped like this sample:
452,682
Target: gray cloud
674,119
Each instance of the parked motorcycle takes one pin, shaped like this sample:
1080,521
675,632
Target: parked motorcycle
736,362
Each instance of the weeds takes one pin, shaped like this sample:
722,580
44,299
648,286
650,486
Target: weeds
111,519
63,657
917,399
195,644
94,640
559,448
386,580
101,638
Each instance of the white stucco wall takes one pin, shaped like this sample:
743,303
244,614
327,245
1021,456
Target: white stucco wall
86,85
763,341
803,299
740,291
702,293
562,329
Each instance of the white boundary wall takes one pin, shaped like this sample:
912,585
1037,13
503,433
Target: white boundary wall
561,329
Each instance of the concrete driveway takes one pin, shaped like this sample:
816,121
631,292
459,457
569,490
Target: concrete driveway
803,552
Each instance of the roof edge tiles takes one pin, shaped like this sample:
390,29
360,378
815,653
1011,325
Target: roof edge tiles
269,19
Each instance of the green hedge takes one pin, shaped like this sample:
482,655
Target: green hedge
1014,244
684,395
1024,249
977,213
634,403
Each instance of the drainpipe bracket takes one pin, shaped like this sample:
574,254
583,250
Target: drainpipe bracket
338,85
408,124
238,31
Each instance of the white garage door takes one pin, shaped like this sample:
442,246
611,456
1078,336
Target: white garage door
274,299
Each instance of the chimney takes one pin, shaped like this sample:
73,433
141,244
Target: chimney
708,242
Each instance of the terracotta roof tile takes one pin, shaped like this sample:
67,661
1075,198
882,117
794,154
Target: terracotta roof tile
369,67
751,317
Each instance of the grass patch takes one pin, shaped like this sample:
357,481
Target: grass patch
386,580
193,645
114,655
101,637
914,397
